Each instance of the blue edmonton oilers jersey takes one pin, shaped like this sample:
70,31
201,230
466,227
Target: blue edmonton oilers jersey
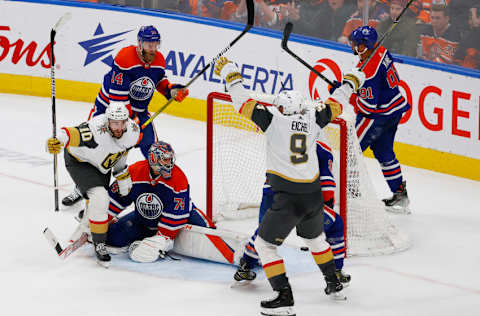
380,96
132,81
162,204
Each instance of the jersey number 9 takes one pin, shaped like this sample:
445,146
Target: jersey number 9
298,146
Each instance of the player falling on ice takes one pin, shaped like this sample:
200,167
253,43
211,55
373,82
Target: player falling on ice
161,196
137,71
93,151
333,223
379,105
291,128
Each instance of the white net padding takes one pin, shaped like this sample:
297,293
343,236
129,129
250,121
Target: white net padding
237,164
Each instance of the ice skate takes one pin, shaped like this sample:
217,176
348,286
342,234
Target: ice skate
72,198
399,202
343,278
103,258
334,289
281,305
244,274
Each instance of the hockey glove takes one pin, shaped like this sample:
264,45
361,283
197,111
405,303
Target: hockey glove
150,249
228,71
178,92
354,78
336,85
54,146
124,181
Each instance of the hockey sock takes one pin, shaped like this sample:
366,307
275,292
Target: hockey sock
393,174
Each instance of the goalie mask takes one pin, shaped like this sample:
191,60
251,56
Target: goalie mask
290,102
161,159
117,115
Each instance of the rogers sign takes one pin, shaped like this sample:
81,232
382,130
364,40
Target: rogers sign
459,106
31,53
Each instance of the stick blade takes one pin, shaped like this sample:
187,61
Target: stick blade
286,34
63,19
251,12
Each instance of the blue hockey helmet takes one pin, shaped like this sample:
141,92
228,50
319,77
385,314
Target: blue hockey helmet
148,33
364,35
161,158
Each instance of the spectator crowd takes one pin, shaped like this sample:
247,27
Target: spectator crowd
443,31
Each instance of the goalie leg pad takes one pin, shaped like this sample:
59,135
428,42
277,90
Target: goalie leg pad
210,244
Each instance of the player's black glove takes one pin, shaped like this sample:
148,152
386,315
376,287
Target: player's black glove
336,85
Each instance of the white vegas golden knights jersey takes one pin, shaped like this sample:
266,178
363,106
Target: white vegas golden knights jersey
291,149
292,162
91,142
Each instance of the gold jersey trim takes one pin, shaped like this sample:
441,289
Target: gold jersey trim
74,135
247,108
335,107
293,179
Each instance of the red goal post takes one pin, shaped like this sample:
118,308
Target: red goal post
236,172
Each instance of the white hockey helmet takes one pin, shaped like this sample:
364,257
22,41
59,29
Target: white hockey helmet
117,111
290,102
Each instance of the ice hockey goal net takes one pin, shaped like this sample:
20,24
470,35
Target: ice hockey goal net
236,173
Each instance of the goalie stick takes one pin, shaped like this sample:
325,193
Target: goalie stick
53,32
250,20
286,35
63,253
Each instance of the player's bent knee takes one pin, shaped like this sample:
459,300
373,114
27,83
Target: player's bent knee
98,203
266,251
317,244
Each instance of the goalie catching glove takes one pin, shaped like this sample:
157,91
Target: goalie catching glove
228,71
123,180
150,249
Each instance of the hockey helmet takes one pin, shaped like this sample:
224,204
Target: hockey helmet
366,35
290,102
161,158
117,111
148,33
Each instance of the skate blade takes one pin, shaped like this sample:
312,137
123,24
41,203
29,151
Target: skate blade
281,311
338,296
346,284
116,250
104,264
241,284
398,210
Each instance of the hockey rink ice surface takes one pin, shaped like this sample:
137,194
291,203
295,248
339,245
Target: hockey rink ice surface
439,275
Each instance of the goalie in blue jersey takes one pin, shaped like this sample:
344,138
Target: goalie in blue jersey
160,193
379,105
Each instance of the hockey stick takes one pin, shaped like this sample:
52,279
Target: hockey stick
250,20
394,24
53,32
286,34
63,253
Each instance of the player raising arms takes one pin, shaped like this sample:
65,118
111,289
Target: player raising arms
291,128
161,195
135,74
333,223
379,106
92,151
